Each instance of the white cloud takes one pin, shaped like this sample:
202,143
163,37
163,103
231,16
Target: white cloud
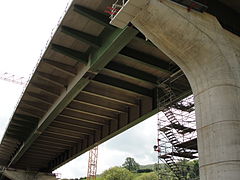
26,26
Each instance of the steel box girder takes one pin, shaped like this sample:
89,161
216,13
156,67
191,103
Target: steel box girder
111,46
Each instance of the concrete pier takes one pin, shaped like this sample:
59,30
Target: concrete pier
210,58
14,174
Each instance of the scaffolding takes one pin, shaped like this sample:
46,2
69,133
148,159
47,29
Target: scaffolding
189,4
112,11
92,164
177,136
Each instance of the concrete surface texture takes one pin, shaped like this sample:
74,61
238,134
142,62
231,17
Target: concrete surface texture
210,58
24,175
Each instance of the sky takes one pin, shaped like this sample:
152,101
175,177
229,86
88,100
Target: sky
26,26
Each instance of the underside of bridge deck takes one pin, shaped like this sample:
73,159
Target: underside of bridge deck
209,56
92,82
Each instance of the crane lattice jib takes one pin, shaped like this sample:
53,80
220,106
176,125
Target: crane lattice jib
13,78
92,164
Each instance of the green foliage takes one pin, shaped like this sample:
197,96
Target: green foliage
144,170
189,171
117,173
148,176
130,164
148,166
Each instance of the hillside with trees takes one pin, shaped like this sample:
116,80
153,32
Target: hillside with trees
131,170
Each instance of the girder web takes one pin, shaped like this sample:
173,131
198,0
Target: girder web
176,130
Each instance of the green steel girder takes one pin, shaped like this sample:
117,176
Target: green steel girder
105,117
132,72
67,141
77,55
19,135
26,117
24,121
23,124
123,85
51,78
41,98
61,66
4,152
96,105
36,113
90,121
13,136
29,125
53,143
11,141
82,36
99,58
72,131
7,146
146,59
70,154
49,89
20,128
113,42
43,124
76,125
95,42
36,105
94,16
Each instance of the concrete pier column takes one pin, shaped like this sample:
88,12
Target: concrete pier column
210,58
27,175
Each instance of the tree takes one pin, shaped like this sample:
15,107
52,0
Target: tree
130,164
144,170
117,173
148,176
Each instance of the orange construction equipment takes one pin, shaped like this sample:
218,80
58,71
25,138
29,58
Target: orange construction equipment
92,164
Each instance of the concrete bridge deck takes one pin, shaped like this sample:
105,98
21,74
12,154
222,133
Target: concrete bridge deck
93,82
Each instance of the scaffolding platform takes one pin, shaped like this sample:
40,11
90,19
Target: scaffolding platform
187,108
176,131
181,129
187,155
191,144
